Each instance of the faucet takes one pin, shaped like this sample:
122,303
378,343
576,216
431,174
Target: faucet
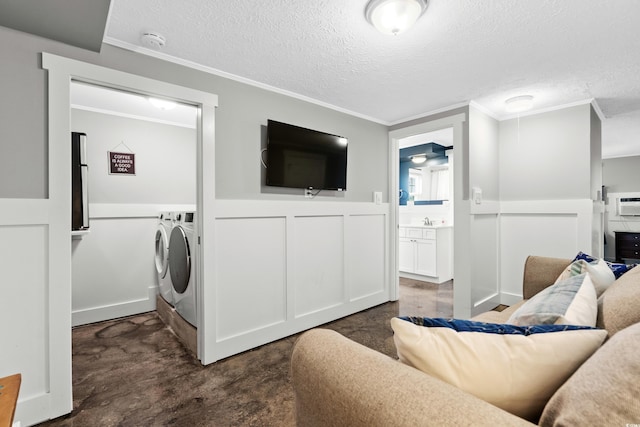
427,221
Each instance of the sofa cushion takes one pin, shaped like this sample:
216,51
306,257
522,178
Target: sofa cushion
601,275
514,368
604,390
570,301
618,306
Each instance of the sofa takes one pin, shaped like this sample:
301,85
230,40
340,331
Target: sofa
338,382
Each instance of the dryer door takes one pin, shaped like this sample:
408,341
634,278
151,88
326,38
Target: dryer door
162,251
179,259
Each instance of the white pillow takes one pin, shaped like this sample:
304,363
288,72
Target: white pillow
571,301
518,373
601,274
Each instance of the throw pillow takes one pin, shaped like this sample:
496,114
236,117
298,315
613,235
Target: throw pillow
571,301
617,268
604,390
601,275
515,368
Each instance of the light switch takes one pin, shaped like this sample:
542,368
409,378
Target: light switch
476,195
377,197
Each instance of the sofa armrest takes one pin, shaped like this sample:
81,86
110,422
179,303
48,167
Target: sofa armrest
540,272
338,382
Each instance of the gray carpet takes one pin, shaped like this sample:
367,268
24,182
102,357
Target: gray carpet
134,372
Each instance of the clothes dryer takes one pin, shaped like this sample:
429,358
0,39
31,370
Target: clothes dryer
163,233
182,265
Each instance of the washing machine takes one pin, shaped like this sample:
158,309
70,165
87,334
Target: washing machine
182,265
163,232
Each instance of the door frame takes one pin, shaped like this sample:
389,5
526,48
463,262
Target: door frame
455,121
61,71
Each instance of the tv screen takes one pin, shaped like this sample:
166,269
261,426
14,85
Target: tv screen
305,158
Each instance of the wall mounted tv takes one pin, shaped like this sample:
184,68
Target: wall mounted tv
303,158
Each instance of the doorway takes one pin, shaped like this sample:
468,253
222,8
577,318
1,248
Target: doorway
425,238
156,145
61,71
414,133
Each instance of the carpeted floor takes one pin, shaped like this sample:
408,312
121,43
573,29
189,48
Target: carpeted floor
134,372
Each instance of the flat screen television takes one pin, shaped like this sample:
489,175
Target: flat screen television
303,158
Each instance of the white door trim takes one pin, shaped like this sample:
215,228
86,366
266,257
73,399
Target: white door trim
395,136
61,71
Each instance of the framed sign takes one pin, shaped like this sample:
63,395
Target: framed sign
122,163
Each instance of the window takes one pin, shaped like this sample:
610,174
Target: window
415,181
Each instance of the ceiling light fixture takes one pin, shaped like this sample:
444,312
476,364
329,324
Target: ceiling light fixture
419,159
162,104
518,104
394,16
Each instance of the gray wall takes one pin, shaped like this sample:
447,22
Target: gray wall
165,159
622,174
242,112
483,154
546,156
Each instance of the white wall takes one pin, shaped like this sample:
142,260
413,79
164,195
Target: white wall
621,177
113,272
546,156
34,121
547,181
621,174
484,153
538,174
165,157
283,268
438,214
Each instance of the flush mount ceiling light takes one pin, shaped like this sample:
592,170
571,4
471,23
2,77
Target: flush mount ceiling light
162,104
419,159
394,16
518,104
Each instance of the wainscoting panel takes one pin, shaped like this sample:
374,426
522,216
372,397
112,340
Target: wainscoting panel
553,228
366,245
113,271
485,290
318,257
36,331
25,296
250,274
283,267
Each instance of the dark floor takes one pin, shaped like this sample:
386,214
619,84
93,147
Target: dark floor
134,372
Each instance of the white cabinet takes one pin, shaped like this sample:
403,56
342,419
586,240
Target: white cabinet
426,257
426,253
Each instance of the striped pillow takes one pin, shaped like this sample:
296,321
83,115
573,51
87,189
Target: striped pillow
571,301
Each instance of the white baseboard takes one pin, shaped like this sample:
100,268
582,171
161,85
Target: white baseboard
29,411
430,279
507,298
114,311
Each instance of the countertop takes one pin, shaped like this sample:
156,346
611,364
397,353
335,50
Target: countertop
426,226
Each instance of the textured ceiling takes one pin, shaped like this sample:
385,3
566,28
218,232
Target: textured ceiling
559,51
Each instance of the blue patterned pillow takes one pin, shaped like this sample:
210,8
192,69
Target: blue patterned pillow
617,268
489,328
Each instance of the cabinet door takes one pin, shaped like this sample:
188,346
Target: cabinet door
426,257
406,255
